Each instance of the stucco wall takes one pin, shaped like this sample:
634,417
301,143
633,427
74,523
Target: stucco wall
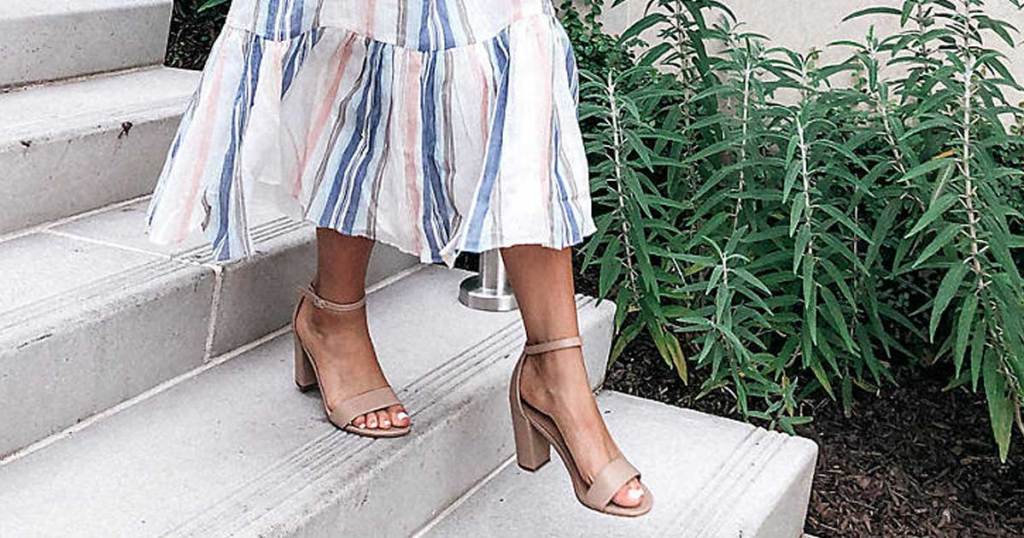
805,24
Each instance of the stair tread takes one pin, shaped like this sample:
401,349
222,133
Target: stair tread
57,109
46,40
710,476
226,448
36,8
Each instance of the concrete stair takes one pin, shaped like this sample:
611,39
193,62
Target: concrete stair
74,146
91,313
42,40
711,478
234,449
146,390
94,313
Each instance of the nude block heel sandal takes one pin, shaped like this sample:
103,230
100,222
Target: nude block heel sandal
536,432
307,377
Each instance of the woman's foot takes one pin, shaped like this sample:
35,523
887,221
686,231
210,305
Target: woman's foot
555,383
346,361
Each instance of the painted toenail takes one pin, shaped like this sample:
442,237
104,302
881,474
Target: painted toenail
402,415
634,494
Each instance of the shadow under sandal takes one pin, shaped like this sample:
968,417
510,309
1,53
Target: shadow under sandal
307,377
535,433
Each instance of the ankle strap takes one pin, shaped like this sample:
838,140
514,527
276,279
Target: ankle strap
551,345
330,306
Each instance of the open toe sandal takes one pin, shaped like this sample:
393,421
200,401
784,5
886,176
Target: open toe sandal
536,432
307,377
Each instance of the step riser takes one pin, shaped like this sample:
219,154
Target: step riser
456,442
789,510
59,372
59,178
99,356
74,42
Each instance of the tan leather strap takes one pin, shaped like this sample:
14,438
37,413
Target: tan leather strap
330,306
371,400
551,345
609,481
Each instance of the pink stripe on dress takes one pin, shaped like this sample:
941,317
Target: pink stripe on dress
209,116
411,128
316,130
370,9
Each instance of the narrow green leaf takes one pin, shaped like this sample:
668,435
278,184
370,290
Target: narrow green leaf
1000,404
947,290
941,239
963,330
937,208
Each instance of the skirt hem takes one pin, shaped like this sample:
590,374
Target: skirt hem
423,256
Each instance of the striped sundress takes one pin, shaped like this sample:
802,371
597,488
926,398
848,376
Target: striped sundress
434,126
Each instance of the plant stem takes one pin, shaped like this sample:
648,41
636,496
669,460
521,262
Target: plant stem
613,105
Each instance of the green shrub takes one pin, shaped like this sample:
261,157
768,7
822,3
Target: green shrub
797,235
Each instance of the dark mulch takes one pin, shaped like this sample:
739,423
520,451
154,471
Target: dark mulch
915,461
192,34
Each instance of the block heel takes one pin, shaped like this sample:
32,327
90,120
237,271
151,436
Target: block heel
533,450
305,376
536,433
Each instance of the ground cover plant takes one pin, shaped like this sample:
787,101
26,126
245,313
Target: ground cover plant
789,235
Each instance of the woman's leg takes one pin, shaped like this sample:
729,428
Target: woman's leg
341,342
556,382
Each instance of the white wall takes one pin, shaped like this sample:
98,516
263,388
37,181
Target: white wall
805,24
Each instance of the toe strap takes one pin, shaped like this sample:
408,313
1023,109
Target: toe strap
372,400
609,481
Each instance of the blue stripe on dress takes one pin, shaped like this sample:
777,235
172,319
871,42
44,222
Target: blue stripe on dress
563,194
379,80
332,210
494,147
298,13
297,53
573,74
242,104
269,25
433,186
424,44
446,24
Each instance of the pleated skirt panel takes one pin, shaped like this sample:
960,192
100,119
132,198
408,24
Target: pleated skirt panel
435,126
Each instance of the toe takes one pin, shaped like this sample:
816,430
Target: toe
631,495
360,421
383,419
371,420
399,416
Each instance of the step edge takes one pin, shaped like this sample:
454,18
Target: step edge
116,288
163,103
166,385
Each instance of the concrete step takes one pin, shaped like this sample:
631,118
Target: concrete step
237,450
45,40
92,314
711,477
74,146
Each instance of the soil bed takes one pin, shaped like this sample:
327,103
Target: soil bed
915,461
